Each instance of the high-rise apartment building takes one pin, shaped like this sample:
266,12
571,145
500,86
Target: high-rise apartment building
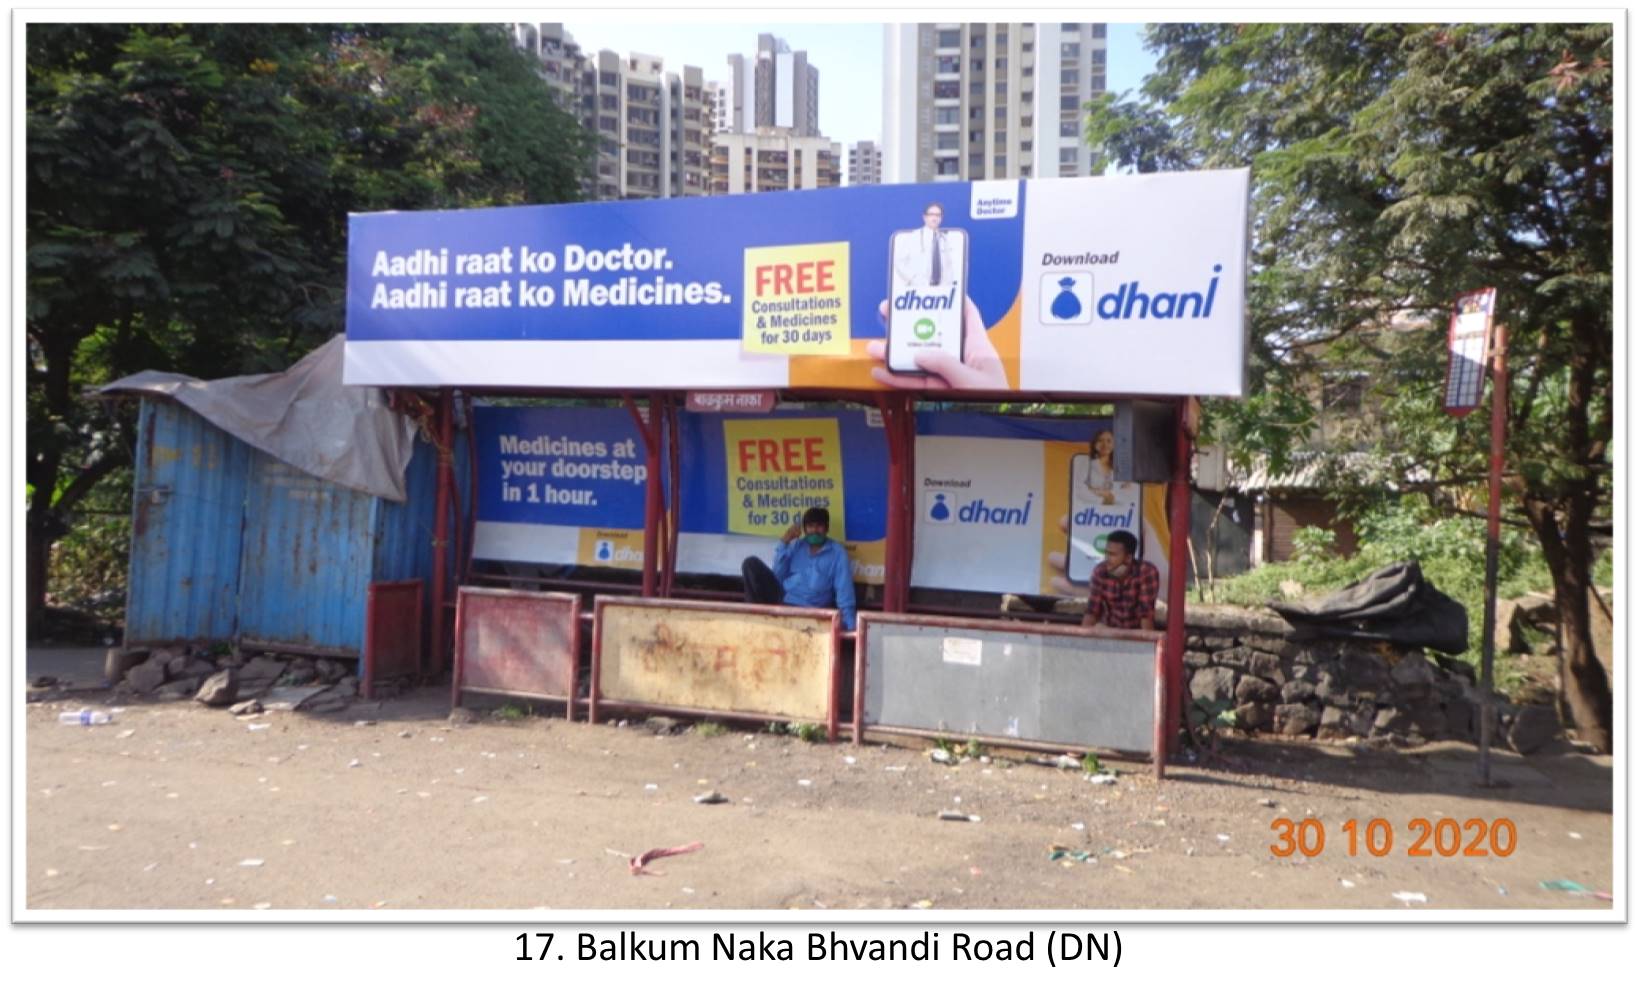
774,88
652,128
562,65
988,101
773,159
722,108
864,164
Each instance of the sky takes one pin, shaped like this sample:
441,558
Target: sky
848,56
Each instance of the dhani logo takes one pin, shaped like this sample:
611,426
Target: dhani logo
924,328
910,300
1129,301
1090,516
980,512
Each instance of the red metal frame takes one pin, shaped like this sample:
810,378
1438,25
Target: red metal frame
673,455
472,483
598,703
898,412
440,527
369,663
457,685
861,675
1178,492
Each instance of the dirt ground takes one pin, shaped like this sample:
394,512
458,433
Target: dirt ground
177,806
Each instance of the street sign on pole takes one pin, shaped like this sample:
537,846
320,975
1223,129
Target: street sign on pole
1467,339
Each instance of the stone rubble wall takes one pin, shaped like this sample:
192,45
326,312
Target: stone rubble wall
1280,680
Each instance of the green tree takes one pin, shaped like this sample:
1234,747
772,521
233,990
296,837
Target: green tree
1395,166
188,193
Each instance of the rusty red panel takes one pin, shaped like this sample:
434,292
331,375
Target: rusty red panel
519,643
392,633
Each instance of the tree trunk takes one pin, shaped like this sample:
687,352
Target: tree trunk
38,571
1584,689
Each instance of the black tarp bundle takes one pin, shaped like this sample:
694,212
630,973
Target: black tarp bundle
1394,604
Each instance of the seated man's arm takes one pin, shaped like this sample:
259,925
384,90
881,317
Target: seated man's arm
1148,593
1094,601
782,561
846,599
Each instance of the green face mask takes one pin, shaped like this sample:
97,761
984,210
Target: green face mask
815,539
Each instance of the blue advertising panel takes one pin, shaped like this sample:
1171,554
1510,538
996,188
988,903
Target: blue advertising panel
990,286
1003,503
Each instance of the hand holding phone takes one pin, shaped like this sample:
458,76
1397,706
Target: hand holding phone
927,301
979,369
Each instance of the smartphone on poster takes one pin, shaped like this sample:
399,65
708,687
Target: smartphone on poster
1098,506
1082,554
927,306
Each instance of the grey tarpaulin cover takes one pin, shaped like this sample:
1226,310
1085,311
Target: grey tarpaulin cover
1394,604
304,416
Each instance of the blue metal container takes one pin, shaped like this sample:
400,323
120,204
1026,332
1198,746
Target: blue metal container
230,544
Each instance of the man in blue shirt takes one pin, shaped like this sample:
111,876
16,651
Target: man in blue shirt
808,570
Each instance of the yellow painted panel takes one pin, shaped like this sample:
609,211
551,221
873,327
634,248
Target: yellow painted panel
714,659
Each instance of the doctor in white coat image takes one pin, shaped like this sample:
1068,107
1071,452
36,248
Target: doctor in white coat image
928,257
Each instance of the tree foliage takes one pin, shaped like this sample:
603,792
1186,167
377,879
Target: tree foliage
188,192
1395,166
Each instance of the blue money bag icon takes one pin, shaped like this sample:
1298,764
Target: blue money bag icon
605,550
1066,305
940,511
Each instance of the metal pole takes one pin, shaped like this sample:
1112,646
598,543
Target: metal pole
653,504
1498,440
1176,580
895,501
440,527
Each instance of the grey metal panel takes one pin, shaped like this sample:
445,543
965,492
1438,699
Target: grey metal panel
1069,689
1144,441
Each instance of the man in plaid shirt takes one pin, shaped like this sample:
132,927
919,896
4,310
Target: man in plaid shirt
1124,588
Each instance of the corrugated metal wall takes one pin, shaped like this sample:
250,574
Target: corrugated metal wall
306,560
186,518
230,543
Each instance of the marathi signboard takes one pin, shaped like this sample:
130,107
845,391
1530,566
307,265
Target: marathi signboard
746,660
1005,504
1467,340
1113,285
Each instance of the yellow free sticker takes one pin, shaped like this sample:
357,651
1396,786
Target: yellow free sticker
779,468
796,300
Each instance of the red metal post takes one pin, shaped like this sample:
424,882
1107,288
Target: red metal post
1177,563
472,486
674,453
1161,746
369,643
460,662
907,506
596,662
895,496
833,716
1498,440
440,529
574,663
654,502
859,646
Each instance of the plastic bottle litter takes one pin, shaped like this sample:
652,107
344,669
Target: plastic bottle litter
84,717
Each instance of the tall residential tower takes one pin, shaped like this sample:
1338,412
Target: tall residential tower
988,101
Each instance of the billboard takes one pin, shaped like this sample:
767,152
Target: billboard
1003,504
1108,285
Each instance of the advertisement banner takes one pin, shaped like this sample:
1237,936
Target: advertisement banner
1004,504
559,486
1105,285
745,479
1023,505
